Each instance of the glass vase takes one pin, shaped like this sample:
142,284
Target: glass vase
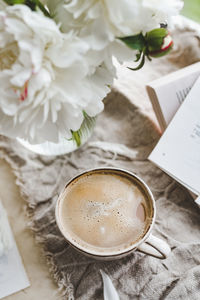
64,145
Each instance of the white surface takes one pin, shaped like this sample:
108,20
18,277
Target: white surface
6,239
13,277
42,285
178,151
12,273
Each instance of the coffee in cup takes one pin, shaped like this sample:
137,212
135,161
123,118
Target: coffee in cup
105,212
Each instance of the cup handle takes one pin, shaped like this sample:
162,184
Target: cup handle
155,247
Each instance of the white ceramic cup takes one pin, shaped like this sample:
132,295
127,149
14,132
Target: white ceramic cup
148,243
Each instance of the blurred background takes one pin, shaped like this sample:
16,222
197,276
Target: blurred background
192,9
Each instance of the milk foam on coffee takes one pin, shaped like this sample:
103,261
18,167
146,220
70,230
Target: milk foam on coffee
103,211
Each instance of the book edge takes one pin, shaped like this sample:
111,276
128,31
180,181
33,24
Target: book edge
176,75
156,106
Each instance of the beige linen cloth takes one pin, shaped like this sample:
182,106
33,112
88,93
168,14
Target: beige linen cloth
123,138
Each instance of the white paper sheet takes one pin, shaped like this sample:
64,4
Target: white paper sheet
178,151
13,277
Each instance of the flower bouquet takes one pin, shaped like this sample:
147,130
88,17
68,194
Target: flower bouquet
56,60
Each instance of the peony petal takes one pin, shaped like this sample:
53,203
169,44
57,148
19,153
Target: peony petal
64,59
20,78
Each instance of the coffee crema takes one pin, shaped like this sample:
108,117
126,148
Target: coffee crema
103,211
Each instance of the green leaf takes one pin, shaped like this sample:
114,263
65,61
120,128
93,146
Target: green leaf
76,137
135,42
13,2
85,129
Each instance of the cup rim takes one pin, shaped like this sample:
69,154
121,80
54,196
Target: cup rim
107,254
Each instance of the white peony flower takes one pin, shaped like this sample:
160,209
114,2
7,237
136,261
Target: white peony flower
105,20
88,19
100,22
51,73
160,11
45,82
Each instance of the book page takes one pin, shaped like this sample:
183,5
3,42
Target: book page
12,274
167,93
178,151
171,95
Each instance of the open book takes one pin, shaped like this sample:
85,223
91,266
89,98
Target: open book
178,150
168,92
